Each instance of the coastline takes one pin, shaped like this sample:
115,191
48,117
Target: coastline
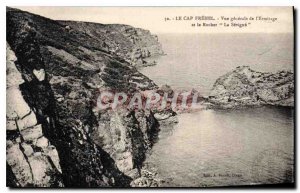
58,79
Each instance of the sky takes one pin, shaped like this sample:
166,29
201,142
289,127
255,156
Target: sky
153,18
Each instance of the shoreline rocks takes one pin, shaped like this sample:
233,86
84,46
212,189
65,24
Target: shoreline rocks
147,179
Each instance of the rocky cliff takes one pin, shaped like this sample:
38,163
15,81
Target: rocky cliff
56,136
137,46
31,159
246,87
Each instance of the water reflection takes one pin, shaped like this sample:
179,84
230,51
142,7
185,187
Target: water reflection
210,148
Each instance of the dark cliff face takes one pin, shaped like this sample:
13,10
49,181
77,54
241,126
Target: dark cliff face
246,87
57,73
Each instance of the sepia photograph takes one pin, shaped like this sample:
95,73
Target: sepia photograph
150,97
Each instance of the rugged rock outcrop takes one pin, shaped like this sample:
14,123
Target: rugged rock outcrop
31,159
246,87
54,76
135,45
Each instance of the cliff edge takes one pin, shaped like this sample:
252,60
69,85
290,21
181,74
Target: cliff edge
56,136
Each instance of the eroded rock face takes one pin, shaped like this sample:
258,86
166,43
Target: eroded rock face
126,136
32,160
246,87
61,72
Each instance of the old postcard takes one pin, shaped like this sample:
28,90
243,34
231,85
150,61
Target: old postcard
150,97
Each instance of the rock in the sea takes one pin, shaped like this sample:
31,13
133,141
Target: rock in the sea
246,87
